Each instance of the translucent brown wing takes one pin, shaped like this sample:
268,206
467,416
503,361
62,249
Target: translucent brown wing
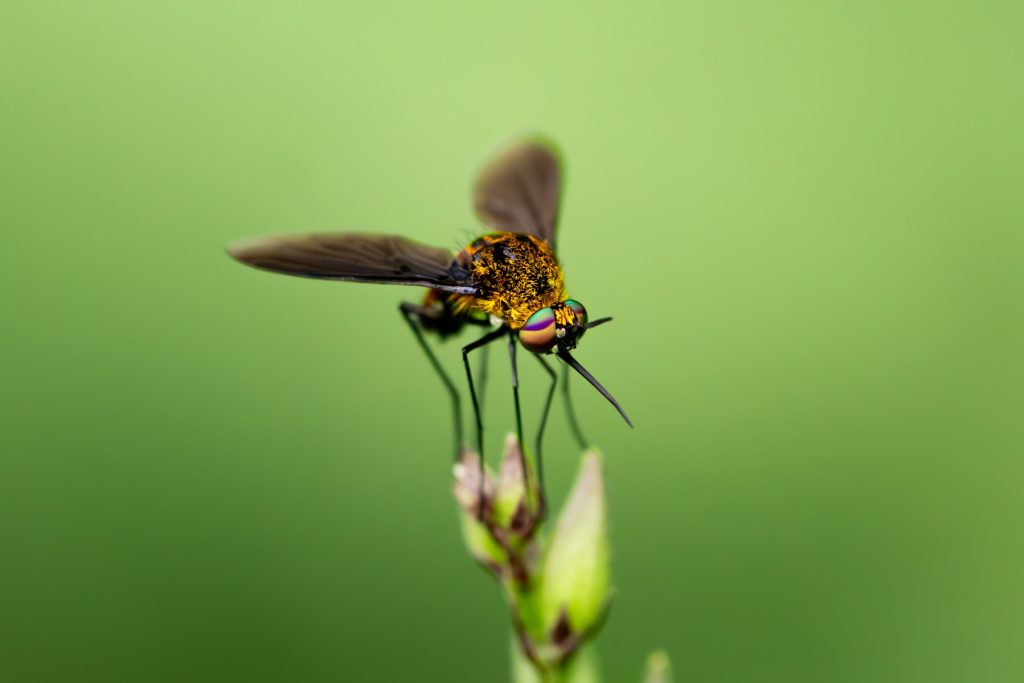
386,259
518,190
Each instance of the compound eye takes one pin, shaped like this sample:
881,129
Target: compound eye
538,334
581,313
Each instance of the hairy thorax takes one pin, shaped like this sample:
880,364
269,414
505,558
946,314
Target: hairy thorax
514,274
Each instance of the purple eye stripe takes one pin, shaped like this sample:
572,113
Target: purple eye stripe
540,320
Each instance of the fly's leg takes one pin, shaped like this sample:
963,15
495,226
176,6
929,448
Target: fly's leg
411,314
540,428
574,425
519,418
482,341
481,371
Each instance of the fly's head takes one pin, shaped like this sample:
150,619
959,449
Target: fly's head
557,329
554,329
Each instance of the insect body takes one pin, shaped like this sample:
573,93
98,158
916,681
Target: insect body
508,280
515,275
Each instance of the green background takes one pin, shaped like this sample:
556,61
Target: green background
805,217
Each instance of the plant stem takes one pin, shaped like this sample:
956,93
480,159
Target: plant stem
582,668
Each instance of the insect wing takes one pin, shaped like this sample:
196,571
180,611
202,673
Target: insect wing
519,190
386,259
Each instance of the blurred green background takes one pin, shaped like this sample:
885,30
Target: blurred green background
806,218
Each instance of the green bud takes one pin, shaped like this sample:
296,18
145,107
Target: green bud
658,668
513,509
511,488
481,544
505,503
575,578
466,484
466,487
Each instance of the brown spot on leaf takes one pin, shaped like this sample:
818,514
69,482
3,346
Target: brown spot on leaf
561,633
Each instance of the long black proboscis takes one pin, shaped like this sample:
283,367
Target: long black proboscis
574,364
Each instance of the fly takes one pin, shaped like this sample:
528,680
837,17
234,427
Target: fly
508,279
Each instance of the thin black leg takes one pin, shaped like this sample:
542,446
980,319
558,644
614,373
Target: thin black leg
574,425
519,416
543,424
411,312
482,341
481,371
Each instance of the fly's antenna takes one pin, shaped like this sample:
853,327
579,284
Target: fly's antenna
599,321
574,364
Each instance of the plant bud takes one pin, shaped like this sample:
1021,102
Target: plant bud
512,509
658,668
466,488
575,577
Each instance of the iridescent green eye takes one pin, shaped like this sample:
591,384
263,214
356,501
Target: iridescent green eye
538,334
581,313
